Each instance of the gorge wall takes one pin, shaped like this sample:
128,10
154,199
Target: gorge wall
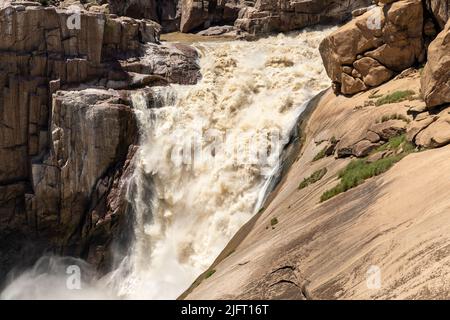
250,17
64,147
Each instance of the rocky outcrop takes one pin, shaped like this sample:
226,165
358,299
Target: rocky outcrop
430,129
166,12
183,15
285,15
173,62
201,14
91,132
436,74
250,17
370,49
263,17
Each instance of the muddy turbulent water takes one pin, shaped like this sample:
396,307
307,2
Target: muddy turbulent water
207,153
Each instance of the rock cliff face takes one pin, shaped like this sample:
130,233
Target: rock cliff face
65,148
249,16
166,12
436,77
182,15
285,15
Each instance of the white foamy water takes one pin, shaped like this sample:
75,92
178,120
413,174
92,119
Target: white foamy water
188,204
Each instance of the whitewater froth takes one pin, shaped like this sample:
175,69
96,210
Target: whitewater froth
249,94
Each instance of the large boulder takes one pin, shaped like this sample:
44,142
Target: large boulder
436,74
371,48
166,12
194,14
201,14
430,130
91,131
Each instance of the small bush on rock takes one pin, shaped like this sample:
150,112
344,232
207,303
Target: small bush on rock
320,155
395,97
315,177
209,273
358,171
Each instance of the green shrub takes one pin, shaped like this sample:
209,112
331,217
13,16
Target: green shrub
316,176
320,155
209,273
394,97
273,222
394,143
358,171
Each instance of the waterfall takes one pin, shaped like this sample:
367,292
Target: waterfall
208,155
207,159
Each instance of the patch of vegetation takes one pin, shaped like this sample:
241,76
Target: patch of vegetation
210,273
315,177
395,97
358,171
320,155
323,153
395,143
395,116
274,222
